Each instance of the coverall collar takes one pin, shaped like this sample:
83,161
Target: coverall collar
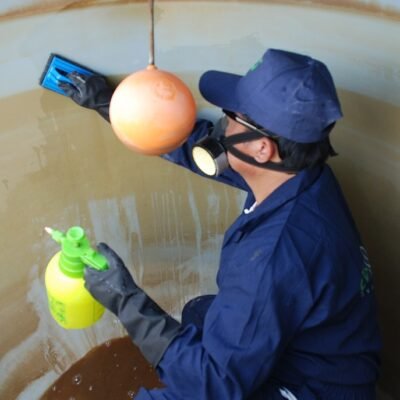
283,194
288,190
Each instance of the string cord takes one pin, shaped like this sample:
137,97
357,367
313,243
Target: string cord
151,55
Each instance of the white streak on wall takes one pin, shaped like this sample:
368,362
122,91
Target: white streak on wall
133,229
37,388
106,217
196,218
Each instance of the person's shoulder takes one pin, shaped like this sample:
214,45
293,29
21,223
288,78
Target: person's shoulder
321,205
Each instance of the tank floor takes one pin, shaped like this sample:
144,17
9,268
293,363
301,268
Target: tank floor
113,370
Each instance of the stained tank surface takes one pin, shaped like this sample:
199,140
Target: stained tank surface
113,370
61,165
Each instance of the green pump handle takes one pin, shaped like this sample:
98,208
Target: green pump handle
76,252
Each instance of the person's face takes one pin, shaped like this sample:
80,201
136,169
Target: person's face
248,148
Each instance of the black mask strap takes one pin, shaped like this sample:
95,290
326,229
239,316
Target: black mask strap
229,142
240,138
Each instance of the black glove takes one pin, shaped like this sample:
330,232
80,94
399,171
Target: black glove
150,328
89,91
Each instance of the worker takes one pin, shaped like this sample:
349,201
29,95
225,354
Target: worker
295,314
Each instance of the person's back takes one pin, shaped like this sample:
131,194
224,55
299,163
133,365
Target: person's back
338,342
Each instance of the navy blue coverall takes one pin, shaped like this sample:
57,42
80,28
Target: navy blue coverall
295,306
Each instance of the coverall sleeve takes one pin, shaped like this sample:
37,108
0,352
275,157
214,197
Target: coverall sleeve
183,156
258,309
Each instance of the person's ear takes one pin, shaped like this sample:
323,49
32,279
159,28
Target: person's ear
265,150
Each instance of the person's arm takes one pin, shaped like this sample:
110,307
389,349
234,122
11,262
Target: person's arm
94,92
244,336
150,327
260,306
183,156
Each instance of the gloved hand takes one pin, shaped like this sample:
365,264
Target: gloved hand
150,328
89,91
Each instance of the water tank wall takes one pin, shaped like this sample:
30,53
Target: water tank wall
61,165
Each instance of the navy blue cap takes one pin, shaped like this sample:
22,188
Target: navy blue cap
289,94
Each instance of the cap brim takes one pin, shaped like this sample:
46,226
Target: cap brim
219,88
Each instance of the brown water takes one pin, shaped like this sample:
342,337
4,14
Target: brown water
114,370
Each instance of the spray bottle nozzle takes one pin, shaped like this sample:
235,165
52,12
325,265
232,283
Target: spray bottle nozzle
76,252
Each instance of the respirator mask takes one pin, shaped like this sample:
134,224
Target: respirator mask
210,152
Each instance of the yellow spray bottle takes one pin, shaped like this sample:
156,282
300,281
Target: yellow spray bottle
71,305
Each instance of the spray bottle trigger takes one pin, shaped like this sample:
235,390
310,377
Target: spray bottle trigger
95,260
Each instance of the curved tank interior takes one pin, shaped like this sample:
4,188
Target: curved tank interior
61,165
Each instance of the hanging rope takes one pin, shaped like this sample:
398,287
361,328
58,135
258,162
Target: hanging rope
151,55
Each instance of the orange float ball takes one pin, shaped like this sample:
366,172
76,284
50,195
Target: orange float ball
152,111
